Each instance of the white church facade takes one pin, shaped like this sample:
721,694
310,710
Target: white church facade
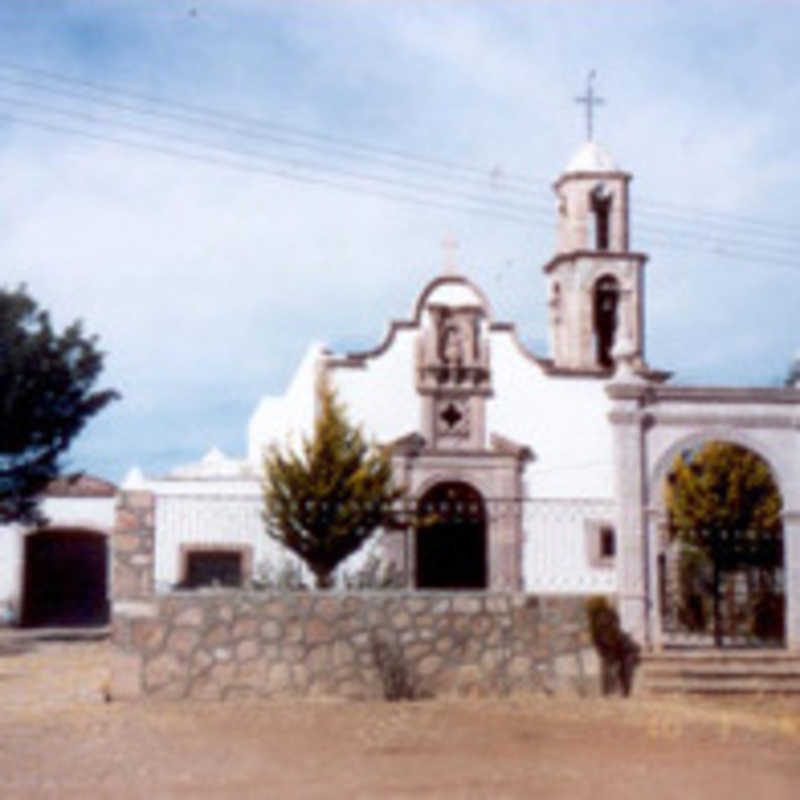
556,464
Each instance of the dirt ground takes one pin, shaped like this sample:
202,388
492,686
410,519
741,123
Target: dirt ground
59,739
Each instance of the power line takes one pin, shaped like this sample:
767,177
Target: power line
520,182
504,205
515,214
480,178
204,111
734,246
254,168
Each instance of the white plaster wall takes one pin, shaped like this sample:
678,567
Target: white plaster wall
555,555
10,571
779,446
564,420
203,512
94,513
213,513
383,396
286,418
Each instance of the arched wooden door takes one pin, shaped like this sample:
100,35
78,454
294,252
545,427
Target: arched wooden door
451,547
65,579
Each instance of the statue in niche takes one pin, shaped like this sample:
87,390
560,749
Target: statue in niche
452,346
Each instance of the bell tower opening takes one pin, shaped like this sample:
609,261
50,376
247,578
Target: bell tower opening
600,204
606,302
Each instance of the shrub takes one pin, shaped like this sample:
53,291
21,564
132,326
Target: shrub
287,577
768,616
619,653
374,574
397,678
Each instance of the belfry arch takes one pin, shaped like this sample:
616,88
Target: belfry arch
605,313
450,541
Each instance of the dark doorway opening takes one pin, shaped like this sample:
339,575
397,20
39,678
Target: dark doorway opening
65,579
451,547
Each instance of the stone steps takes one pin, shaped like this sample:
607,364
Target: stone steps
720,672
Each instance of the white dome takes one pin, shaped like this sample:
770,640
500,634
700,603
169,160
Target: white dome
455,294
451,290
591,157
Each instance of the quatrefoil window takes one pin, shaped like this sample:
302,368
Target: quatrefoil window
451,415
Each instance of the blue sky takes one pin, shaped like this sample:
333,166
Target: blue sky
206,281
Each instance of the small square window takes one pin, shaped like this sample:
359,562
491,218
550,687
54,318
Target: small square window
601,543
213,568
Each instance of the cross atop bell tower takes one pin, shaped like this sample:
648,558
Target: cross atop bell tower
591,100
595,281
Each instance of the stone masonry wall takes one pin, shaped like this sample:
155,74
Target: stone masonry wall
133,546
215,644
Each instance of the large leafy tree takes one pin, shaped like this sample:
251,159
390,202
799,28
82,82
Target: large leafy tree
326,500
46,397
725,508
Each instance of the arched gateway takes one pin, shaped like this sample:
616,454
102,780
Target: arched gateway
721,568
651,425
451,542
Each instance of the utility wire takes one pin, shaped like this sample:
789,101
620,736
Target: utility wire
206,112
689,214
255,168
480,178
515,214
775,252
503,205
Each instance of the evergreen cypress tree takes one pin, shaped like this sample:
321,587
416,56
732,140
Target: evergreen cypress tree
324,502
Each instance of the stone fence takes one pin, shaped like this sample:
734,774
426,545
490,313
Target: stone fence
222,643
218,643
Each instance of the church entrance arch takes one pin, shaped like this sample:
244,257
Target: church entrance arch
65,580
720,584
451,546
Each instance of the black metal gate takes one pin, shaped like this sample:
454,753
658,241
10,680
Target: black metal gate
724,589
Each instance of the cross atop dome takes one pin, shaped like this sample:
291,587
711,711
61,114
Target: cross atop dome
450,248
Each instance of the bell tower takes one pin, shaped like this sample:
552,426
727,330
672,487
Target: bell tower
594,280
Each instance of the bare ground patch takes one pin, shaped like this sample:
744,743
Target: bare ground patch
59,739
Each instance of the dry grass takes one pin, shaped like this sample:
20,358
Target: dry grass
59,739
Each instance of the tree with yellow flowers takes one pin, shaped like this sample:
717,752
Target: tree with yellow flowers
725,508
